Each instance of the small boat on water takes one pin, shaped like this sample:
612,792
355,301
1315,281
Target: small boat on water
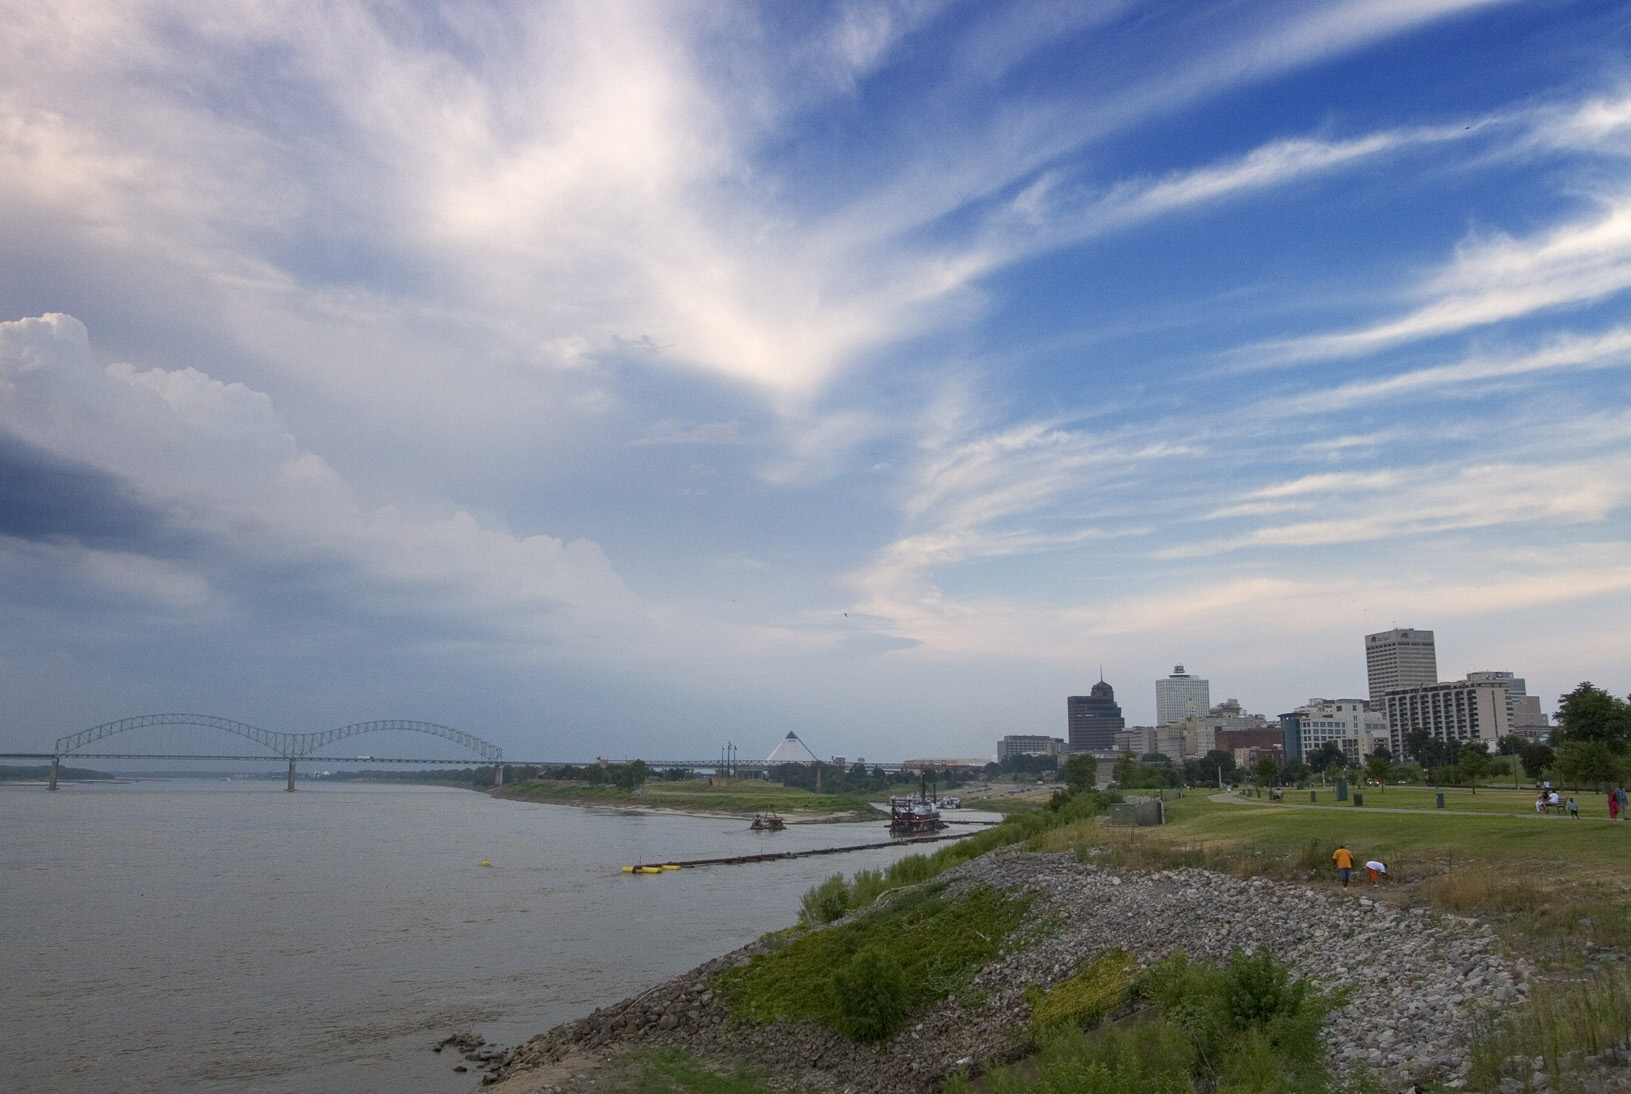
768,822
912,815
951,803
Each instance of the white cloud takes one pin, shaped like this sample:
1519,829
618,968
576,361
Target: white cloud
1610,349
1428,500
244,499
1493,279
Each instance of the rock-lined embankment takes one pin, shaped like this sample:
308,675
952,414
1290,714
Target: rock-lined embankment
1413,979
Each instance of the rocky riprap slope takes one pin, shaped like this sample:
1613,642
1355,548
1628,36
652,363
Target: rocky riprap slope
1412,978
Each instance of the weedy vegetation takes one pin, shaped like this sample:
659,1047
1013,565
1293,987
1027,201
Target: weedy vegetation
865,975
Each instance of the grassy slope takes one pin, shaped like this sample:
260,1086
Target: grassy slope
1550,884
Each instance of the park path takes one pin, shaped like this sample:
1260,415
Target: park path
1228,798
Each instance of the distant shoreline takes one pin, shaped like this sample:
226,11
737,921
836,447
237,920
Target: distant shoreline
697,804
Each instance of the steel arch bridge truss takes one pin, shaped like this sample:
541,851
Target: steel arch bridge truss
291,746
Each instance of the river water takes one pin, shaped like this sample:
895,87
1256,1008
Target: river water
196,936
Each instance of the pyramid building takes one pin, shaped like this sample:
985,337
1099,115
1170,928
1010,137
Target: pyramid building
791,751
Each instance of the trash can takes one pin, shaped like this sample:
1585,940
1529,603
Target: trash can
1359,799
1342,790
1440,804
1313,795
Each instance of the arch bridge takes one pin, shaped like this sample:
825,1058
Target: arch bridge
288,746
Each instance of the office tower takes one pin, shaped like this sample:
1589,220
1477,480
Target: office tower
1460,710
1181,696
1094,719
1027,744
1400,658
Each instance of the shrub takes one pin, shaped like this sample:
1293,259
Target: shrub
825,902
870,996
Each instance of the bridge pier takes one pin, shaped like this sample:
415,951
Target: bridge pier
498,776
52,784
290,787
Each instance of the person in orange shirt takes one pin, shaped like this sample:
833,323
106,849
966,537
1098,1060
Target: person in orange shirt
1345,864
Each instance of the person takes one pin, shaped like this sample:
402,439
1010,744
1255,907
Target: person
1345,864
1614,804
1540,802
1554,801
1376,868
1574,809
1619,795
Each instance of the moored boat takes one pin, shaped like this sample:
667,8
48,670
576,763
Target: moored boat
768,822
909,815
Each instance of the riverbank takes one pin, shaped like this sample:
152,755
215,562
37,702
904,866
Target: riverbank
1340,940
1490,922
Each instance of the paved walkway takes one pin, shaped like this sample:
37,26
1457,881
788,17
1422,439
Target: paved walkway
1228,798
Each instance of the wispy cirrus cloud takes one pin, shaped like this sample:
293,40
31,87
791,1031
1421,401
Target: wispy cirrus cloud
1491,279
1583,352
1423,500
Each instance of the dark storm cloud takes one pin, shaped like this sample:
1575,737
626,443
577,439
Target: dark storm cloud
47,499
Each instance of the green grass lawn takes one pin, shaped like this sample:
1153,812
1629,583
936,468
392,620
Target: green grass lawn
1488,799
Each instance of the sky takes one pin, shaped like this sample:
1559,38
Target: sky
621,379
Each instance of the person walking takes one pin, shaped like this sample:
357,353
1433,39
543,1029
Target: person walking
1619,796
1614,804
1574,809
1345,864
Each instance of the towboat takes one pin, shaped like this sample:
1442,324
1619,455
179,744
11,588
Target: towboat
768,822
912,815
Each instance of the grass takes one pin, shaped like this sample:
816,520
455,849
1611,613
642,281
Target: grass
1457,799
1247,1027
1548,885
696,795
937,943
835,897
671,1071
1564,1022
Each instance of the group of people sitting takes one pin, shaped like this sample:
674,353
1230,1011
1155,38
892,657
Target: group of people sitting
1548,800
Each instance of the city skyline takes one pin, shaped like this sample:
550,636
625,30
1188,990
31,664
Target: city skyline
621,379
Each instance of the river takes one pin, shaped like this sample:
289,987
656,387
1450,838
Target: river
193,936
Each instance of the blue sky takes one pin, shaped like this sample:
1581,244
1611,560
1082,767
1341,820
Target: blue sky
619,379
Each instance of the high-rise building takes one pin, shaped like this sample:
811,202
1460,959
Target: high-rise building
1181,696
1459,710
1027,744
1347,723
1094,719
1400,658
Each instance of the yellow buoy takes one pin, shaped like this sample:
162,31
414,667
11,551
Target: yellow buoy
651,869
669,866
484,862
628,869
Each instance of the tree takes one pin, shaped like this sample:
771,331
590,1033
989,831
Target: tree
1473,760
1294,772
1328,755
1591,714
1535,759
1378,766
1081,771
631,775
1511,744
1209,770
1587,763
1266,771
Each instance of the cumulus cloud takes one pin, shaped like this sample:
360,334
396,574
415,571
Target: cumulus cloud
184,483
